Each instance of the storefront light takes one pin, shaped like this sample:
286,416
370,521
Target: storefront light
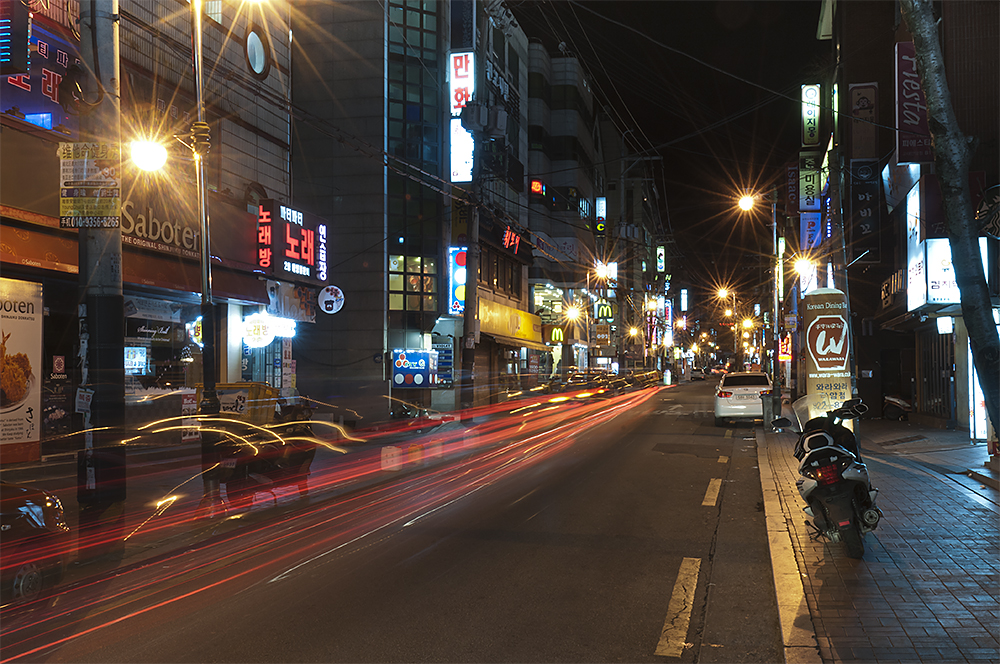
260,329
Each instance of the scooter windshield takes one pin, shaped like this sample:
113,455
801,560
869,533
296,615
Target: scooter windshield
813,405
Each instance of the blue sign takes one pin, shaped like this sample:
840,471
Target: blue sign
414,368
36,95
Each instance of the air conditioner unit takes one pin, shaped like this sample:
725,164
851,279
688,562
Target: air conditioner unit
475,117
498,122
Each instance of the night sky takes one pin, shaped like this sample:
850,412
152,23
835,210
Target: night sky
721,124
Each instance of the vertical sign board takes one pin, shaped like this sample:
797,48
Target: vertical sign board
21,392
864,132
461,88
90,193
15,32
913,136
810,196
601,215
864,211
916,281
457,276
827,342
810,115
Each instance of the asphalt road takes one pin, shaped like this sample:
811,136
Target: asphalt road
639,538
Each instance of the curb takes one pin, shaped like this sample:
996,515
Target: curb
798,634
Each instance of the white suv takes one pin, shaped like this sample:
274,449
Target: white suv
738,396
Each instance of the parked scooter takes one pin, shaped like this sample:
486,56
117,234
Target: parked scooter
263,462
833,479
895,408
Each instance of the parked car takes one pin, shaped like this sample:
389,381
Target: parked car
738,396
34,541
697,374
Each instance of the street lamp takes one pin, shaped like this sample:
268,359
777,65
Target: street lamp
150,156
746,203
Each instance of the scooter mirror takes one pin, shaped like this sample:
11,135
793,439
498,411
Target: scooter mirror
851,403
781,423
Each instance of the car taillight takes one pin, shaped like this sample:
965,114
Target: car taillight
724,394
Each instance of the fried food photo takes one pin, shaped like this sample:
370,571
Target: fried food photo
15,372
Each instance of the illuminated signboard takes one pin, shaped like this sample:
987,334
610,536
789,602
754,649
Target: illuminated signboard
810,115
601,209
538,187
461,87
661,259
414,368
456,280
260,329
291,245
15,31
684,299
135,360
942,286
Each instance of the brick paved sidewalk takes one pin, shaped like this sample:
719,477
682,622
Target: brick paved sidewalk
927,588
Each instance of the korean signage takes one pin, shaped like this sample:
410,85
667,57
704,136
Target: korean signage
291,245
661,258
21,393
913,137
810,188
785,348
36,93
827,347
15,31
446,363
864,211
414,368
942,287
810,115
601,210
864,132
461,88
916,280
456,280
89,185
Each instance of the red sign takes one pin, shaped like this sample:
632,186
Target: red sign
827,341
291,245
537,187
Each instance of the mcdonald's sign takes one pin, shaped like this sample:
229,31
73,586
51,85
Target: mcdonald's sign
557,335
554,334
604,311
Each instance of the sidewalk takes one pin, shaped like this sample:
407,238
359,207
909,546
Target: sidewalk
927,587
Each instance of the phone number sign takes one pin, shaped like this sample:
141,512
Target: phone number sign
89,185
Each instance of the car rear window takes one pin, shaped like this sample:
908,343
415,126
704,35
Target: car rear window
744,381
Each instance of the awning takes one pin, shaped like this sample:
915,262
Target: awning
55,249
518,343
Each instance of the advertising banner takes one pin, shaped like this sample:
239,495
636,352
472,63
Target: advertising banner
827,348
864,129
414,368
21,357
864,211
90,193
913,136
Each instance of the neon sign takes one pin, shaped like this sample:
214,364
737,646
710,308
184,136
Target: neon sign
291,245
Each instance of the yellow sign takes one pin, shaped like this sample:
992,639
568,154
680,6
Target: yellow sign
496,318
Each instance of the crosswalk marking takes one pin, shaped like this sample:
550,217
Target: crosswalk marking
712,494
675,627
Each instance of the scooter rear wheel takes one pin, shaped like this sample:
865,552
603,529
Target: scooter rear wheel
853,540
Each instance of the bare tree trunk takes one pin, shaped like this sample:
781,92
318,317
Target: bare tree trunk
952,153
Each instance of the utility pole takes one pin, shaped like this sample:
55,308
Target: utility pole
467,396
101,462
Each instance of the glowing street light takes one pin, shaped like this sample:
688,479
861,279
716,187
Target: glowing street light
746,202
148,155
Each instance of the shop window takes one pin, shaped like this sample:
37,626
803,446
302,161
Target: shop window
413,283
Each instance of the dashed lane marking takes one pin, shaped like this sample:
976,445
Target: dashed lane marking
712,494
723,459
675,627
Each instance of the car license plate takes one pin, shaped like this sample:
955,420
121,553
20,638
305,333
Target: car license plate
747,396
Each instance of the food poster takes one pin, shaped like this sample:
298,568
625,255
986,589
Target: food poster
21,357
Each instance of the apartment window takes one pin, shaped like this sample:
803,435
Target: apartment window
413,283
